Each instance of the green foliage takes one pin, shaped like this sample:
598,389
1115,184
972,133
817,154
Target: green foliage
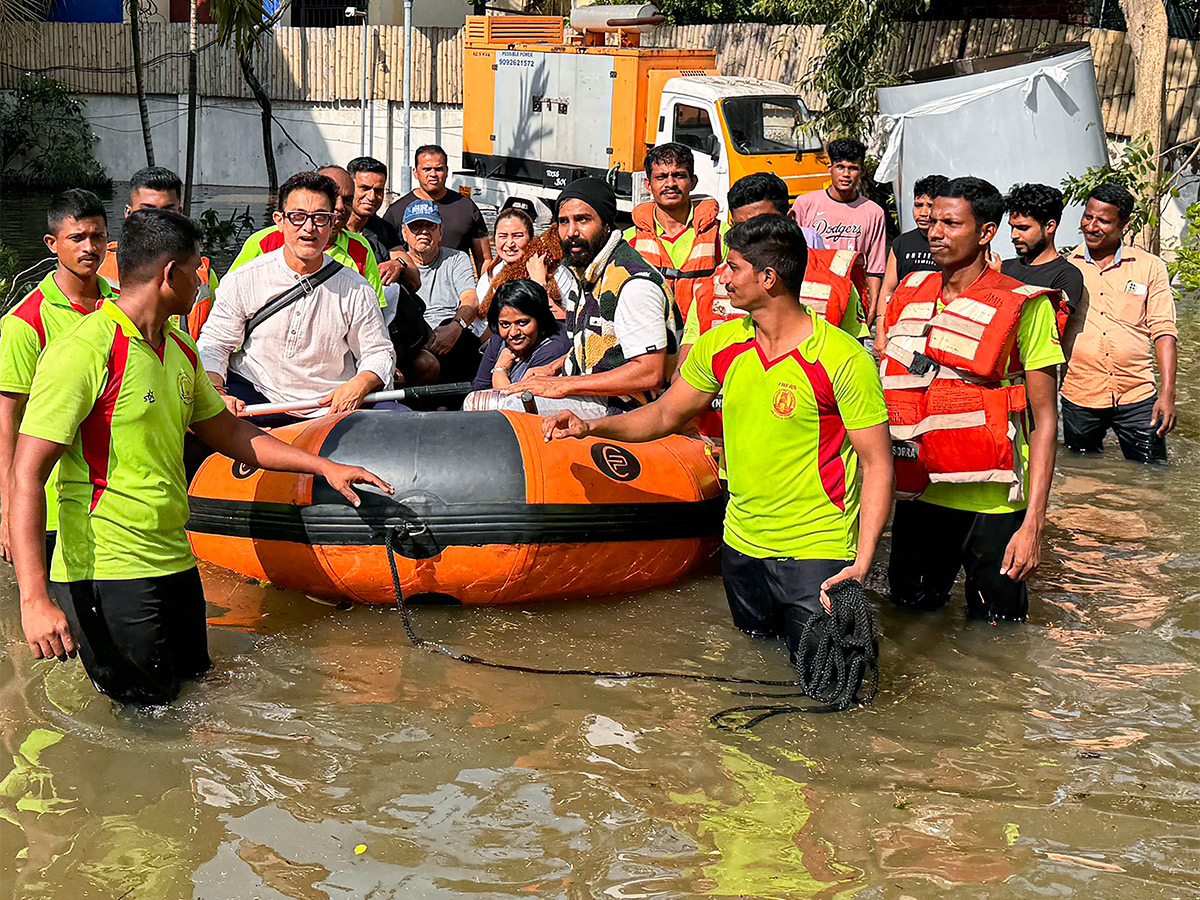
218,233
240,23
45,142
1134,168
1186,265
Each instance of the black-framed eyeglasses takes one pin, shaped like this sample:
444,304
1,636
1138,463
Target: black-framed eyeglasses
319,219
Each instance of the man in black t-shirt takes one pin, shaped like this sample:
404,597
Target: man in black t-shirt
370,181
1034,211
910,251
463,227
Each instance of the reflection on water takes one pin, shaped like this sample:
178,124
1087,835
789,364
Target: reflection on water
325,758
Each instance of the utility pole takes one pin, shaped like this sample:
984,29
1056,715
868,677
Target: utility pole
353,12
406,171
193,66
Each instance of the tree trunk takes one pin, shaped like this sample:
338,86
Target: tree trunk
264,102
193,65
135,34
1146,21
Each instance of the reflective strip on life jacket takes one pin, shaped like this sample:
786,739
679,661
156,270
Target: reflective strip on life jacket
950,417
829,280
695,277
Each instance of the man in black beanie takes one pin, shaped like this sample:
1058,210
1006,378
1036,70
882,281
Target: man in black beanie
623,324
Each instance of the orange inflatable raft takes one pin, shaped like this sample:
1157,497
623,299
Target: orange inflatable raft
484,511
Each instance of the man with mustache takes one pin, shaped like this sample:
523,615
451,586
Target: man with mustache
1034,211
77,227
969,375
679,237
623,325
1123,328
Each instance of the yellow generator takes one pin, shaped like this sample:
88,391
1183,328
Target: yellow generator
540,110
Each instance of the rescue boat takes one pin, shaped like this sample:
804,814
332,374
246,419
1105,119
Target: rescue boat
484,512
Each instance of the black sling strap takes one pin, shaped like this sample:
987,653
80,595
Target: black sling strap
305,286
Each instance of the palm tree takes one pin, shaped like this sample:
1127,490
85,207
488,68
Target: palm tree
240,24
14,11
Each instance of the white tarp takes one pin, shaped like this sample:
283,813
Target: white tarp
1033,122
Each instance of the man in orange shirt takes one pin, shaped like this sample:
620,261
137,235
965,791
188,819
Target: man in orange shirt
1124,325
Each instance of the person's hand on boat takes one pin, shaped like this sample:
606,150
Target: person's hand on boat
234,404
1023,554
46,629
443,338
341,478
564,424
854,572
348,396
1162,417
553,387
551,368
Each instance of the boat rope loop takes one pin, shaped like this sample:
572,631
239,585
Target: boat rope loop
838,650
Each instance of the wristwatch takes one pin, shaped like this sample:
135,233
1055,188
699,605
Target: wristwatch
461,323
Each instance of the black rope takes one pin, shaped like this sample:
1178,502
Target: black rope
830,678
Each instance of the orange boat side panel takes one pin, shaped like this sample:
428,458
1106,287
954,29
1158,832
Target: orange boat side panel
591,470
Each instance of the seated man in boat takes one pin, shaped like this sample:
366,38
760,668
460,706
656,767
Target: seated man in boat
804,409
347,247
294,325
622,323
124,591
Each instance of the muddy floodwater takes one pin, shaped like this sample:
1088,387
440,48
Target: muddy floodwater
326,757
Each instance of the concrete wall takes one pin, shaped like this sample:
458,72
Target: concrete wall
229,136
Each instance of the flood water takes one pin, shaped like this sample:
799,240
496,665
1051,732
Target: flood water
325,757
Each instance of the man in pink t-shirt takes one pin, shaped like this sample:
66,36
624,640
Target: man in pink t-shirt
844,218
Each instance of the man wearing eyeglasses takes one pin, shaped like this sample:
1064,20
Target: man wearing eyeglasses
329,344
345,246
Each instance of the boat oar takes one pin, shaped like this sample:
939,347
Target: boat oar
419,392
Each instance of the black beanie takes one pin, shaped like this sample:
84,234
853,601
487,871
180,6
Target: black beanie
596,193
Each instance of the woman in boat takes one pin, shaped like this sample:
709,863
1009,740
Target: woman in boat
526,335
512,239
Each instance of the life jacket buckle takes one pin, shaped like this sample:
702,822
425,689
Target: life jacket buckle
921,364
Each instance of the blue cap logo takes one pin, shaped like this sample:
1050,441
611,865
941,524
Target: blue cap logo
422,211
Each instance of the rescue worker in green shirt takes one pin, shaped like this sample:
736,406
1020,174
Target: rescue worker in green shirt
77,234
112,398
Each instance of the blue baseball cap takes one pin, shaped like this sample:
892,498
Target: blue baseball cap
422,211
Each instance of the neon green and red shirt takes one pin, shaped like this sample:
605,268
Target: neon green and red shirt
350,249
121,407
793,473
41,316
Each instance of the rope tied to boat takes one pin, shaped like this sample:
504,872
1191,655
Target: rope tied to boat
837,650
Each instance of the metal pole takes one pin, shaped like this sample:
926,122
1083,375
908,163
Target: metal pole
189,167
362,137
406,171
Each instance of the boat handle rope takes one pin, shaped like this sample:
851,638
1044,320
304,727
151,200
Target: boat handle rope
841,651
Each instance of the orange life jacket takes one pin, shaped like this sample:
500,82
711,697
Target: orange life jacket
694,280
204,296
952,419
828,278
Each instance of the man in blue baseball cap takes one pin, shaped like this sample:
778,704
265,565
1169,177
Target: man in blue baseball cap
448,289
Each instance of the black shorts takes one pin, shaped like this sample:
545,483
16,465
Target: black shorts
1084,429
138,638
931,543
774,596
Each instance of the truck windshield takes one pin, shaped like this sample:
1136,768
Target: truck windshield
759,125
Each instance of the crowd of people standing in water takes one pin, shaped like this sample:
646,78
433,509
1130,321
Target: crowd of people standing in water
627,335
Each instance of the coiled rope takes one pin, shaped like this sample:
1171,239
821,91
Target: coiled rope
838,649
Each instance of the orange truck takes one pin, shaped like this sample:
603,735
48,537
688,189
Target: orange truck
541,109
